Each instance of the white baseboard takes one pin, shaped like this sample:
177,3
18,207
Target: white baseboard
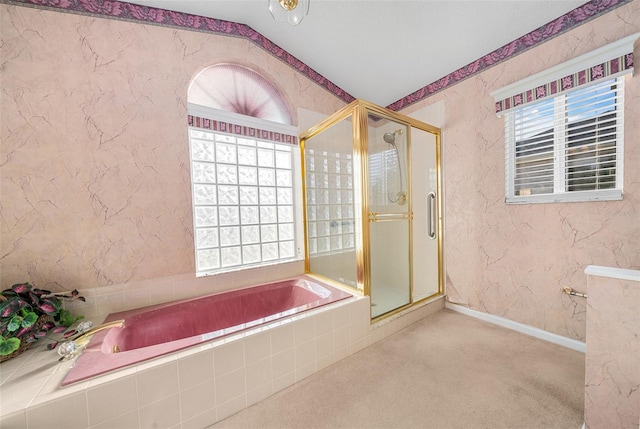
520,327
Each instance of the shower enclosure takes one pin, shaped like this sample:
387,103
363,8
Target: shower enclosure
372,205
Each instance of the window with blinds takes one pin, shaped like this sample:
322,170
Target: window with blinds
567,148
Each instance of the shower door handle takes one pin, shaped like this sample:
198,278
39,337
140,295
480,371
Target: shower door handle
431,215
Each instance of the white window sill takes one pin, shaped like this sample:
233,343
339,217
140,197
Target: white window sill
567,197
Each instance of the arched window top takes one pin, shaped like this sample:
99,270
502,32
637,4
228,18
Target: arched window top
237,89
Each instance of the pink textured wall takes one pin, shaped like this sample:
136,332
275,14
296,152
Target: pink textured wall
94,157
612,370
513,260
95,181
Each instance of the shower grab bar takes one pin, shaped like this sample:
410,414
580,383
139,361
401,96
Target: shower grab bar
570,291
431,207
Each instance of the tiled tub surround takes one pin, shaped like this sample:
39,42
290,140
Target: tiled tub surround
197,386
612,373
149,332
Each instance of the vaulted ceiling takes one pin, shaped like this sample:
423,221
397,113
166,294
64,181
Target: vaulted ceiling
384,50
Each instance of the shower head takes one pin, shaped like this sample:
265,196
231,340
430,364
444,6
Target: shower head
390,137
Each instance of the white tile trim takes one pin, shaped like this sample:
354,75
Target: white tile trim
612,272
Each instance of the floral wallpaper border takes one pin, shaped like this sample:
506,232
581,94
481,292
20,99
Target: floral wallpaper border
576,17
149,15
572,81
241,130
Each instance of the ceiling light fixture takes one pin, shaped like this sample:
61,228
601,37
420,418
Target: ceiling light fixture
293,10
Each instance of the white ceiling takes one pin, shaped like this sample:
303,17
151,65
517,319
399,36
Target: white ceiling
384,50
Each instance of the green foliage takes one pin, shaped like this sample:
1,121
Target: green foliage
8,346
20,308
65,318
14,323
29,319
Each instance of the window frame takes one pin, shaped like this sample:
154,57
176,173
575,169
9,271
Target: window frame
560,145
296,184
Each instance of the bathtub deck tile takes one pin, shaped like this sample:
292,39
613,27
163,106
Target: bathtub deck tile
112,399
155,362
305,371
324,323
128,420
341,316
358,345
16,393
157,383
16,419
259,374
13,408
282,338
305,353
228,357
197,400
257,347
262,362
324,345
112,376
342,352
69,412
231,407
304,329
342,337
325,361
284,381
161,414
195,369
202,420
230,385
283,362
359,330
52,390
256,395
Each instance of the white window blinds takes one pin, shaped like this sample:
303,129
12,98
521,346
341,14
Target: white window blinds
570,143
564,128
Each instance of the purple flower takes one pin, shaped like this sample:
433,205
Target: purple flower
106,7
532,38
628,60
144,13
566,82
517,100
185,20
597,72
55,3
585,12
219,26
554,27
541,91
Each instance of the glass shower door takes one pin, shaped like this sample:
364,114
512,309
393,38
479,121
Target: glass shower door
389,216
330,209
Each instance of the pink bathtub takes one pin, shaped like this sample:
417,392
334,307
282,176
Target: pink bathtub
153,331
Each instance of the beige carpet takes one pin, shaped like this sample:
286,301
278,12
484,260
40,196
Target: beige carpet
446,371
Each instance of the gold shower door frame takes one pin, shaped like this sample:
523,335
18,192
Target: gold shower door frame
359,111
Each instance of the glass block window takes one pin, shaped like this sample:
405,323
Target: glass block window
330,205
243,201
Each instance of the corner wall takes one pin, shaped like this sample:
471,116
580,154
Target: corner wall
95,161
513,260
